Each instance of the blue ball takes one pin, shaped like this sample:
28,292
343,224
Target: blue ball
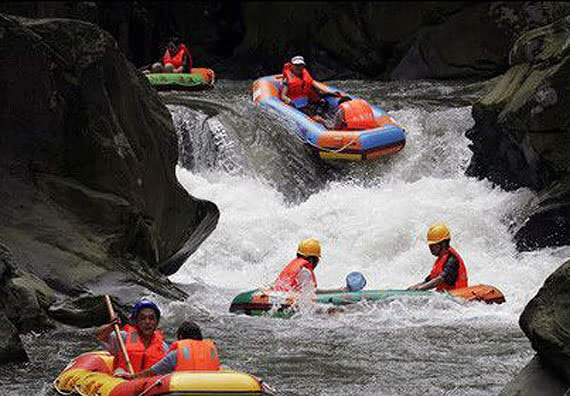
355,281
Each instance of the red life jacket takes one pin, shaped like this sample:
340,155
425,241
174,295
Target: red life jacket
287,279
437,269
298,87
196,355
357,114
141,358
178,59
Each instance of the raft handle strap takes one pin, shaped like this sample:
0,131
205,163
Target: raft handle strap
56,387
156,383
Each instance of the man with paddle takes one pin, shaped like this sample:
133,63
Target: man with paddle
139,345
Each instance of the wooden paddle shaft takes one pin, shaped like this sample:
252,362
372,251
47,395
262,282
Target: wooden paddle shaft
119,338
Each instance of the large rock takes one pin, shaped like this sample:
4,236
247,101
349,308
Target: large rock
11,348
522,132
485,33
87,157
535,380
546,322
347,39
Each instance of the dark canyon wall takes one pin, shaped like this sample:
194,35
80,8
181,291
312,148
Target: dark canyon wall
385,40
90,203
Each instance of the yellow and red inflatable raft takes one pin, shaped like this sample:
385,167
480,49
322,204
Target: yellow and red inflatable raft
90,374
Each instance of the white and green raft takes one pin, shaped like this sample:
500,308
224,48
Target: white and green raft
281,304
199,79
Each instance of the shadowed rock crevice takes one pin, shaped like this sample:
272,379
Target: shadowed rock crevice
522,133
87,182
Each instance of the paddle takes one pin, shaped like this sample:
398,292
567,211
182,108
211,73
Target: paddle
118,333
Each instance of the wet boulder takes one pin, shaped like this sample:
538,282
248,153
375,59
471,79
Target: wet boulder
522,133
87,182
11,348
483,36
535,380
546,322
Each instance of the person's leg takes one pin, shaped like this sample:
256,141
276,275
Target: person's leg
156,68
168,68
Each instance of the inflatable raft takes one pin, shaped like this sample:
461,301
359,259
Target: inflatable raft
281,304
90,375
199,79
385,136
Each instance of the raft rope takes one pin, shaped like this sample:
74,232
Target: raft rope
156,383
56,387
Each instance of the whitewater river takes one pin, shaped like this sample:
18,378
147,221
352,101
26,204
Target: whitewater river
369,217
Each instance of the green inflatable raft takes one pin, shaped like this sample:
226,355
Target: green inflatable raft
258,302
199,79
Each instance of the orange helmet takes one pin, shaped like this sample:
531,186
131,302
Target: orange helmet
309,247
438,233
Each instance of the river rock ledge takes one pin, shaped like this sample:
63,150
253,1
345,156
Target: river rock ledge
546,322
521,135
90,203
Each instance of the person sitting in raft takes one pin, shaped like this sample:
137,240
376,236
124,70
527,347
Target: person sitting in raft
448,272
176,59
298,276
145,344
299,88
190,353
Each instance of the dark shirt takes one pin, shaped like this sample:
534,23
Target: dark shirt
450,271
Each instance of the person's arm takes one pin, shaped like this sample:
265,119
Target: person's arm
186,64
428,285
284,91
103,333
323,89
164,366
330,291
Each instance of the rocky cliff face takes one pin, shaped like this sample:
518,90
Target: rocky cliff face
546,322
87,184
522,132
385,40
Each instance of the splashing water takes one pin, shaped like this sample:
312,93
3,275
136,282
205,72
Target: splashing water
373,218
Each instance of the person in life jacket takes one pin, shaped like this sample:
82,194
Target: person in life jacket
190,353
299,88
176,59
143,341
298,276
448,271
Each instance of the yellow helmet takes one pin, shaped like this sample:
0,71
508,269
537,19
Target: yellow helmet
438,233
309,247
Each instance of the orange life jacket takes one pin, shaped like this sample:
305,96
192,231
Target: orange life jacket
357,114
287,279
298,87
437,269
141,358
196,355
178,59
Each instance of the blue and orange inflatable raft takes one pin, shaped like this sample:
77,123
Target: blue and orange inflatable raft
384,136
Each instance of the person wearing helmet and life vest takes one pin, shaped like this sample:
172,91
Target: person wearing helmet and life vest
143,341
190,353
298,277
448,271
299,87
176,59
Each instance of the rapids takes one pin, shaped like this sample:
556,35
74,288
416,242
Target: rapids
370,217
